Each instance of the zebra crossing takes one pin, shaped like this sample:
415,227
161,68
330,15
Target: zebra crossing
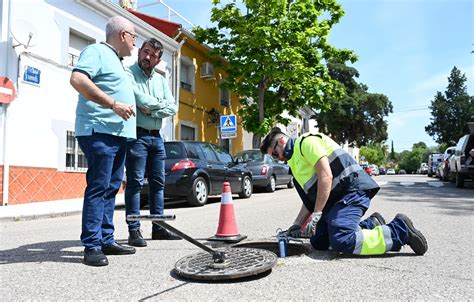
429,183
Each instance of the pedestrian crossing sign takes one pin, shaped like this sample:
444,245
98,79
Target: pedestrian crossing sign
228,123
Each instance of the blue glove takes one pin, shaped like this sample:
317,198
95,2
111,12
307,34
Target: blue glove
310,228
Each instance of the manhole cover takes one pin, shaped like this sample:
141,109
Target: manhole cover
293,249
240,262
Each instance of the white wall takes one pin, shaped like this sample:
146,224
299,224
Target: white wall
39,117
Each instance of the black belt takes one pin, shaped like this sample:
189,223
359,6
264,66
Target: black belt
146,131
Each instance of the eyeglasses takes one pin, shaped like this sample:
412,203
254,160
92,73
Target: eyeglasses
275,154
134,36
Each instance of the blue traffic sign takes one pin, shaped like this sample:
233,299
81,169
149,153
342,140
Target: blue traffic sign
228,123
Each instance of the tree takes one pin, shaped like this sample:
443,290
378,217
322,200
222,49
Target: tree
276,53
392,153
358,116
451,111
373,154
411,160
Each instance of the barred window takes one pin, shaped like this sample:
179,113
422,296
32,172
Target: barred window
75,158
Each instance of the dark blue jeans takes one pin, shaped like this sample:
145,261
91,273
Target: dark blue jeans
145,154
106,158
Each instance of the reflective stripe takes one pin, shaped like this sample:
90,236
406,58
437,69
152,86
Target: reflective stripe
226,198
359,242
387,236
348,170
314,179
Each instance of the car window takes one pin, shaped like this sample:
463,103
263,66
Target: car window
192,150
222,155
209,153
175,150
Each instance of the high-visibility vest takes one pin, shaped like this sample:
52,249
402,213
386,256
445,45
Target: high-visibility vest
348,175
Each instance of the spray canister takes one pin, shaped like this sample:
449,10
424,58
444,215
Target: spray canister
282,246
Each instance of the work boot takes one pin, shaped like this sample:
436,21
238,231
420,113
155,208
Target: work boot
415,240
135,238
163,234
377,219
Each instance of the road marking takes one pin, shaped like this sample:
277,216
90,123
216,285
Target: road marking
382,183
436,184
407,184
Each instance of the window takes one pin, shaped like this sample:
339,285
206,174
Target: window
75,158
224,95
77,42
222,155
186,74
187,133
208,152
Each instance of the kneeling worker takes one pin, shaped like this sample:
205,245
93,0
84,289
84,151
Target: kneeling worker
336,193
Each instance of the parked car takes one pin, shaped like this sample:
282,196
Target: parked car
382,171
401,171
443,169
196,170
374,170
391,172
267,172
462,161
367,169
423,169
433,161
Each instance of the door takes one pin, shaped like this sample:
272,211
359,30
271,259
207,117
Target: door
215,169
233,173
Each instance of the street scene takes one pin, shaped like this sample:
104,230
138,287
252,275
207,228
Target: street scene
236,150
42,259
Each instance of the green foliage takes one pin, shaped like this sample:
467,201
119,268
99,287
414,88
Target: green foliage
358,116
451,111
410,161
276,52
393,155
374,154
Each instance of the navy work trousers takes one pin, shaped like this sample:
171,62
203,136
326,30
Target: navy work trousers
338,225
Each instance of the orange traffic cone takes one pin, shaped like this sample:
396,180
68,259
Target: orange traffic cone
227,230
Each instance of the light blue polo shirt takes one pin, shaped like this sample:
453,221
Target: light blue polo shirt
101,63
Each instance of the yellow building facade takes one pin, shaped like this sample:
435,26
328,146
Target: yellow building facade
202,100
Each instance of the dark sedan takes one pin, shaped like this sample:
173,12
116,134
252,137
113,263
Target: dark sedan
267,172
195,170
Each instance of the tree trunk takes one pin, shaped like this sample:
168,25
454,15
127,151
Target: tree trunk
261,111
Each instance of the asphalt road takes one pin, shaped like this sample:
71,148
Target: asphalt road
42,259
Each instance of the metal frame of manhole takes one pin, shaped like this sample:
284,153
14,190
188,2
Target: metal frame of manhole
239,263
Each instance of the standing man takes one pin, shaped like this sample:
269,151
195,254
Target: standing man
105,119
336,193
146,155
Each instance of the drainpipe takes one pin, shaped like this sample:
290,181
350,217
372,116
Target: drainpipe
178,80
6,165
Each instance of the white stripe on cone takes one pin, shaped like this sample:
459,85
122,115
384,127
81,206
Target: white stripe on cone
226,198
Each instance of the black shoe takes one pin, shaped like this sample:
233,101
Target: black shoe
135,238
94,257
164,235
377,219
416,240
117,249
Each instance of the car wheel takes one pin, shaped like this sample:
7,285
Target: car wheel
199,192
246,187
291,184
271,185
459,180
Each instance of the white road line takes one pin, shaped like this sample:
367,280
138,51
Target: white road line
436,184
407,184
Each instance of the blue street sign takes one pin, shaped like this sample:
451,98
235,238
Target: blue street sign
32,75
228,123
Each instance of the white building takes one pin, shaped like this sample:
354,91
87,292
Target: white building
40,40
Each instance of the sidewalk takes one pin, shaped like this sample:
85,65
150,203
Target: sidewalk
46,209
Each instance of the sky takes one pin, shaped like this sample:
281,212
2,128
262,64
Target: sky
406,50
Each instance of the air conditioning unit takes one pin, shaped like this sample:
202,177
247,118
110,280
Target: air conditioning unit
207,71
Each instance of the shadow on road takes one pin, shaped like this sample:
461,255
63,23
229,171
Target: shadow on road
457,202
52,251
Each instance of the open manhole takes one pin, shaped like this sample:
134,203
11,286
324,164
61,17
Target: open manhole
239,263
293,249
